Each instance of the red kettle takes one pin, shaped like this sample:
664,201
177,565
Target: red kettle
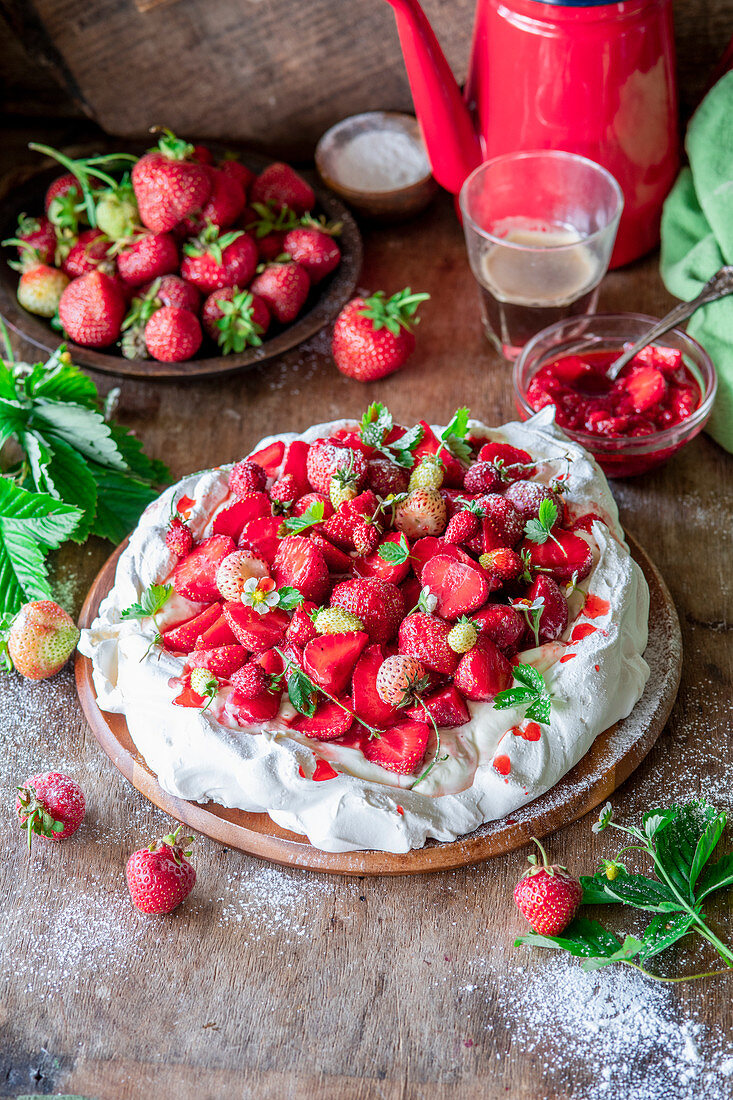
578,75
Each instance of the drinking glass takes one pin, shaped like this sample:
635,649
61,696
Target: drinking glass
540,228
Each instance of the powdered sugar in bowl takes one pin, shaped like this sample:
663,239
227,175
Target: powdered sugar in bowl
377,162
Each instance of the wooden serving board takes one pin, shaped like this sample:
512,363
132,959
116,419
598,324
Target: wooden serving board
24,190
611,759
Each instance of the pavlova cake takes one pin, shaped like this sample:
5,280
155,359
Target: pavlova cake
376,634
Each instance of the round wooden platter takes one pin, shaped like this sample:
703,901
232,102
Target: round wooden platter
24,190
611,759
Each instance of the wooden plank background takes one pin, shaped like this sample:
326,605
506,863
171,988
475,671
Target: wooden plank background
274,73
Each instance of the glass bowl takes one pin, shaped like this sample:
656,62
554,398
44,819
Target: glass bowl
623,456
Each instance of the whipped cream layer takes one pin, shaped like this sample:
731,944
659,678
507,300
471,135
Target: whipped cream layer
490,771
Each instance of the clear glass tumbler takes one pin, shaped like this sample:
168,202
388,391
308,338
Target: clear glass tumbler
540,228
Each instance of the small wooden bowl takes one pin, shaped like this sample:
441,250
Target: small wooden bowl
386,206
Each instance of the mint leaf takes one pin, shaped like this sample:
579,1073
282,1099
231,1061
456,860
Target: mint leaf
301,692
396,553
539,710
513,697
528,675
532,691
312,515
30,525
150,602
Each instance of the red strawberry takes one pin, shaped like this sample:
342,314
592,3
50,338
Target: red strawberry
222,208
231,520
214,260
425,549
91,310
178,537
262,537
645,386
250,681
281,185
50,805
365,537
386,477
269,457
41,288
462,526
160,877
239,172
216,636
325,458
220,662
481,478
502,624
554,617
373,336
172,290
503,564
377,604
35,239
586,521
368,704
61,186
453,471
303,503
300,563
548,896
314,250
246,477
254,631
336,560
502,524
526,496
202,154
570,554
425,637
374,565
329,721
183,638
235,319
484,671
169,185
301,630
460,588
173,335
330,658
253,712
147,257
284,288
295,462
400,748
284,490
511,463
446,707
89,253
195,576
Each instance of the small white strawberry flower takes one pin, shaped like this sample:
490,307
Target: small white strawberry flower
604,819
428,602
260,593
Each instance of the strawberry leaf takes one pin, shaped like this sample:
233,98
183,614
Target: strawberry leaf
301,692
454,436
290,598
312,515
583,938
151,600
395,552
538,530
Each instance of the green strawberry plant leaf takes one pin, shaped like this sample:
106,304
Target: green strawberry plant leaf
151,600
376,425
454,436
313,514
289,597
396,553
539,530
533,691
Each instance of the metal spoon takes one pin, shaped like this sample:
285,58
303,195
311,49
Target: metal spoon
719,286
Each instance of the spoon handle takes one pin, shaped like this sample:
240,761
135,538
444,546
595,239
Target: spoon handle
720,285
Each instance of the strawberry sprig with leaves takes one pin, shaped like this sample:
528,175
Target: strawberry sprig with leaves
436,758
532,690
90,172
540,530
293,525
303,692
453,437
679,842
152,600
377,424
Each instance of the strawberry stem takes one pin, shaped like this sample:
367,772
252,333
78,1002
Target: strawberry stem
83,168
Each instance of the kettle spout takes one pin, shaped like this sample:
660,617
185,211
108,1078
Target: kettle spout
450,136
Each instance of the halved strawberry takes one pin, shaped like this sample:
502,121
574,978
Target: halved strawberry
183,638
270,660
270,457
513,460
554,617
195,575
446,707
454,472
221,662
300,563
322,771
261,536
367,702
336,560
425,637
400,748
425,549
483,672
572,555
502,624
374,565
254,631
250,712
231,520
330,659
189,698
586,521
296,463
460,588
218,634
329,721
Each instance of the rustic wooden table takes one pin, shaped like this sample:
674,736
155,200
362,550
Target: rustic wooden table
273,983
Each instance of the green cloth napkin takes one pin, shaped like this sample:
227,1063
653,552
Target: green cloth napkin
697,239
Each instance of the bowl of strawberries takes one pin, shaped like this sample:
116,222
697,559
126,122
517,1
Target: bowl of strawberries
177,260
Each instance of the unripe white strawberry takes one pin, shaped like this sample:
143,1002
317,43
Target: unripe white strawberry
236,569
40,289
399,679
203,682
422,512
463,636
333,620
42,637
428,474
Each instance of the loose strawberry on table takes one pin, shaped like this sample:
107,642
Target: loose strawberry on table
50,805
160,876
373,336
